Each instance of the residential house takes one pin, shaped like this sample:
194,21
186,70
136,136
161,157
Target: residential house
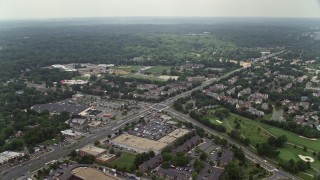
151,163
226,158
244,92
255,111
172,174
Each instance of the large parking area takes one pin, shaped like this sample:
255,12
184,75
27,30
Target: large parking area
117,109
154,128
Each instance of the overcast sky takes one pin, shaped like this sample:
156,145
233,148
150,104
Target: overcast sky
34,9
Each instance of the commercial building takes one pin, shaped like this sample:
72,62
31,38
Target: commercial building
58,107
91,150
77,122
87,173
106,158
8,155
178,133
70,133
138,144
173,136
73,82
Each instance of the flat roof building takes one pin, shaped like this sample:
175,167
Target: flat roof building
173,136
87,173
105,158
8,155
91,150
58,107
138,144
77,122
70,133
167,139
178,133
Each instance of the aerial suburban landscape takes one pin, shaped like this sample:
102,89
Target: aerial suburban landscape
179,98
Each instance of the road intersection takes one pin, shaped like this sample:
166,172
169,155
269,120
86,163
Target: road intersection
59,152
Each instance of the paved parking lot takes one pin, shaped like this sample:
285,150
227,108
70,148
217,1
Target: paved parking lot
154,129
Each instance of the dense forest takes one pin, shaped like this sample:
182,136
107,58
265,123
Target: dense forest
15,99
27,46
45,43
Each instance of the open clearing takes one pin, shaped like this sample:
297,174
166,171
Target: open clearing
128,68
275,131
126,160
258,132
157,70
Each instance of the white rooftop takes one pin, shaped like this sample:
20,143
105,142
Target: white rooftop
7,155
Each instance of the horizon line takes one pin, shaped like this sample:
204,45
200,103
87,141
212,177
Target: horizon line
164,17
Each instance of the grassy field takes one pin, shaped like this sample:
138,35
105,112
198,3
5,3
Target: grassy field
247,129
126,160
128,68
250,128
143,77
289,152
292,137
157,70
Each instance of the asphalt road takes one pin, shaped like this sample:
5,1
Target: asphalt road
278,173
26,168
59,152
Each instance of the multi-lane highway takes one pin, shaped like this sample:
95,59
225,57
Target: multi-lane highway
33,164
25,169
278,173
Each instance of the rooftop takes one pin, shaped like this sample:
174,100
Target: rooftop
106,157
138,142
178,133
92,150
86,173
7,155
171,137
59,107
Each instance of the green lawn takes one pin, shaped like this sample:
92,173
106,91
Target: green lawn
81,78
126,160
143,77
157,70
289,152
128,68
251,125
249,128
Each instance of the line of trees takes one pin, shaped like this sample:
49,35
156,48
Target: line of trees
296,128
199,117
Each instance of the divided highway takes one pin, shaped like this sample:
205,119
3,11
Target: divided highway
26,169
